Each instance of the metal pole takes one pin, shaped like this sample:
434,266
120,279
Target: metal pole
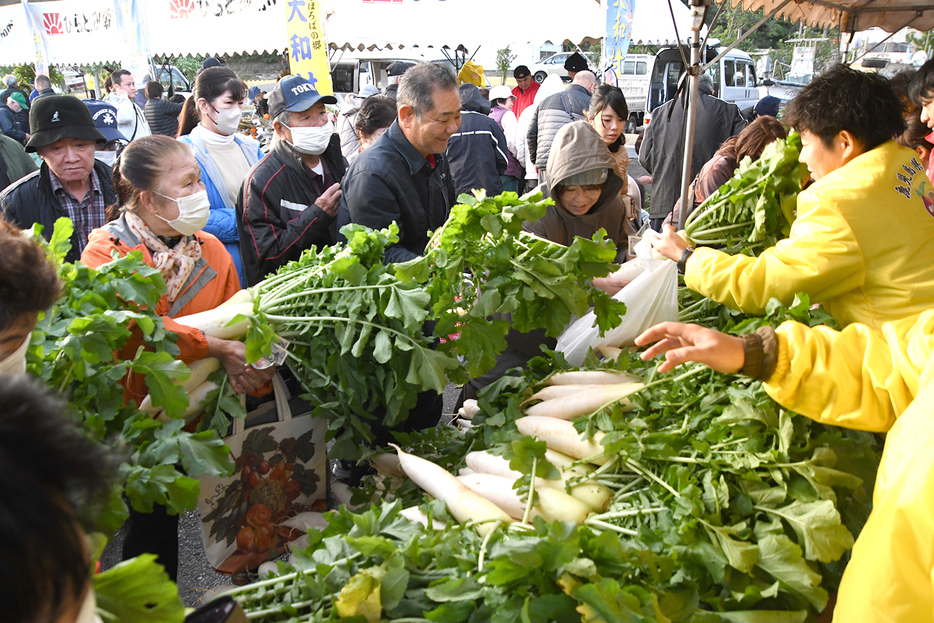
691,112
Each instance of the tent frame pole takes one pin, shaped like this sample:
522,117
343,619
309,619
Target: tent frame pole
691,111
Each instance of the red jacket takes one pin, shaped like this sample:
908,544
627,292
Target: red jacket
524,100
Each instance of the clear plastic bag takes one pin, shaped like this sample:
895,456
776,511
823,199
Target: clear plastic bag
650,298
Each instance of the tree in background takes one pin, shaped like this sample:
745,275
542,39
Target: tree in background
504,59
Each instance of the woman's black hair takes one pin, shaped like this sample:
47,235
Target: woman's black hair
863,104
607,95
209,85
922,85
915,135
375,113
50,474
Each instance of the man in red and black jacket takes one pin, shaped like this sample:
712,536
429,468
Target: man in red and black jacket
289,201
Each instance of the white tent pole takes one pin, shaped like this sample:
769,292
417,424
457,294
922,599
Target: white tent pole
697,13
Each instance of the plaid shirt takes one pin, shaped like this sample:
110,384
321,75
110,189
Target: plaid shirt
88,214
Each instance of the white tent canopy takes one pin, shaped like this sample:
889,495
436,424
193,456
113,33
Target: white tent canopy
652,25
849,15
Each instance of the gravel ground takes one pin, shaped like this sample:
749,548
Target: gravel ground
195,575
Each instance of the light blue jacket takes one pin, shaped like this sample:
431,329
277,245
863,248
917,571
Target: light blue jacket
222,221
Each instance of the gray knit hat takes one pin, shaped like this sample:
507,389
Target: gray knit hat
586,178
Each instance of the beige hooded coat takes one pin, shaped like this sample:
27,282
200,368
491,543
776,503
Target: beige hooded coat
578,148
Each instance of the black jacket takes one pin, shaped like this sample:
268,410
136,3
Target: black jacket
391,181
277,217
10,125
30,200
22,115
555,112
662,150
477,151
162,116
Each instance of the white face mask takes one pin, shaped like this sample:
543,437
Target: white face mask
107,157
15,363
193,212
88,612
312,141
227,120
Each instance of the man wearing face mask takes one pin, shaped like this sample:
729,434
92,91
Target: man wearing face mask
130,118
289,201
28,285
70,182
105,119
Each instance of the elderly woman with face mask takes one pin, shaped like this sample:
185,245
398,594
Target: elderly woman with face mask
163,206
209,122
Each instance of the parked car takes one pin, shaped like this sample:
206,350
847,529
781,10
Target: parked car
351,71
554,64
734,78
634,78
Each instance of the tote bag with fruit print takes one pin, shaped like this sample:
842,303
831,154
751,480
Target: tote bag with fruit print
280,472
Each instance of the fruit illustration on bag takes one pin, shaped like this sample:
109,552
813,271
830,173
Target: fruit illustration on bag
272,478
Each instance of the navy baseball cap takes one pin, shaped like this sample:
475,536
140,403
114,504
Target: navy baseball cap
295,94
105,119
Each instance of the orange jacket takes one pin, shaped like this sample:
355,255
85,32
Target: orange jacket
205,291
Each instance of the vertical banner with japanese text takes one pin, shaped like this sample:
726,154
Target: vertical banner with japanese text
618,32
308,53
38,39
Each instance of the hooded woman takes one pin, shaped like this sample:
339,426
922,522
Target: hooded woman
582,178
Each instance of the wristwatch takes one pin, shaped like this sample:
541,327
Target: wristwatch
684,259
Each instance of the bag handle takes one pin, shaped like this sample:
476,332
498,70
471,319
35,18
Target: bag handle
282,405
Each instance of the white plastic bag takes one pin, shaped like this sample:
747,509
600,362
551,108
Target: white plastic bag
650,299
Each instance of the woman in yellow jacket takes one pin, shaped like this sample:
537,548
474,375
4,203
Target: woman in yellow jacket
873,380
863,239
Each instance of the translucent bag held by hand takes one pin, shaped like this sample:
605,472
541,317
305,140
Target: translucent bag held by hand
650,299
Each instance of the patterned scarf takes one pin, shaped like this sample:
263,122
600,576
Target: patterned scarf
174,264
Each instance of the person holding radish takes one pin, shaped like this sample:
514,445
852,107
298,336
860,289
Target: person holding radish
162,209
209,122
860,378
840,253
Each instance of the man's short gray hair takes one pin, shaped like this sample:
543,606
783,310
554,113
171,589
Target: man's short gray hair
9,80
705,84
419,84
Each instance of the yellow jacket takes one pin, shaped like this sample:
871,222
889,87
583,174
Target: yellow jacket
878,381
862,244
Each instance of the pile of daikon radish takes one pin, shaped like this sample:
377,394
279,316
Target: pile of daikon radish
485,493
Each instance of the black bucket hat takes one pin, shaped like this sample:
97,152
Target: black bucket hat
55,117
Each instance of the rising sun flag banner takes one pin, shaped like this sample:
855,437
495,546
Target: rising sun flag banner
618,32
308,54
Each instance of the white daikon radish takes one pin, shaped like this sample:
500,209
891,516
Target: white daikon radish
243,296
387,464
590,377
594,495
200,371
195,399
266,568
470,409
557,391
553,505
583,403
463,504
560,435
304,521
610,352
213,322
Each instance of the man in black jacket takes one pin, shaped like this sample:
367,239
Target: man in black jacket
477,151
404,176
290,199
70,181
662,150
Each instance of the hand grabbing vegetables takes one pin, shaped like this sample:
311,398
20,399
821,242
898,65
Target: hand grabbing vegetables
682,343
243,377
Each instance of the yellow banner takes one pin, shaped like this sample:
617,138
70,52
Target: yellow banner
308,54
